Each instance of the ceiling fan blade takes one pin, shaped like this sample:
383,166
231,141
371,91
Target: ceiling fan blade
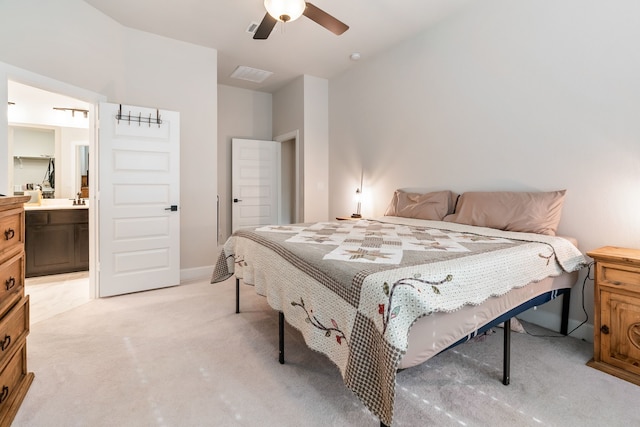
265,27
321,17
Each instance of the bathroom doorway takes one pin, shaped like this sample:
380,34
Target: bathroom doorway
39,102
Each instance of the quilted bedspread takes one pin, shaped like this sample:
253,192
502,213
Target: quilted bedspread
354,288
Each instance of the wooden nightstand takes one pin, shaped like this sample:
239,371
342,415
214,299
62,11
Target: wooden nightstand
616,326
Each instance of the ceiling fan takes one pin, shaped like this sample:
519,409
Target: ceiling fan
290,10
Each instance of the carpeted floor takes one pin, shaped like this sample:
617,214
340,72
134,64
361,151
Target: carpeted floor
182,357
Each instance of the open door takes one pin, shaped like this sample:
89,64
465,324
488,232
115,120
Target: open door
138,197
255,186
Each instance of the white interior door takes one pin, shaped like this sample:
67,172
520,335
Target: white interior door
255,176
139,195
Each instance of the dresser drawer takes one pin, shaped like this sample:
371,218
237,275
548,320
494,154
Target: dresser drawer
11,281
11,229
11,377
14,328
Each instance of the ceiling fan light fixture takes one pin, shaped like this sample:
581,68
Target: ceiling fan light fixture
285,10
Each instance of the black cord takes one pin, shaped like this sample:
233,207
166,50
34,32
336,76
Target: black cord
586,315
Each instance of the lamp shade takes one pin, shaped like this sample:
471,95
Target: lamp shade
285,10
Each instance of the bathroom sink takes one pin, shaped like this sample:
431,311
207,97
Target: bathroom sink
56,202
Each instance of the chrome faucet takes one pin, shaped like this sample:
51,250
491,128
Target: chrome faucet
78,201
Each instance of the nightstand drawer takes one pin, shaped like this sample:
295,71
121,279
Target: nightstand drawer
619,276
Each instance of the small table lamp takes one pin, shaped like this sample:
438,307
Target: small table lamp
358,200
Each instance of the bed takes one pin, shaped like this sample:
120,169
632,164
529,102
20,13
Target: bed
378,295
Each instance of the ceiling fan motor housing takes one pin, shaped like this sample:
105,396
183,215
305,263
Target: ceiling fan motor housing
285,10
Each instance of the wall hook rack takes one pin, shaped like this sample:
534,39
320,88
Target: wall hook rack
139,119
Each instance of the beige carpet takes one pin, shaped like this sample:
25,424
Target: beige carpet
182,357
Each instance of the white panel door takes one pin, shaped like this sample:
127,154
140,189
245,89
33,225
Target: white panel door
139,195
255,171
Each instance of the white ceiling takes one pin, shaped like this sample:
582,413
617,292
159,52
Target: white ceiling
293,49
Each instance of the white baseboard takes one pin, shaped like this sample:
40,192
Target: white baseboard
198,273
552,321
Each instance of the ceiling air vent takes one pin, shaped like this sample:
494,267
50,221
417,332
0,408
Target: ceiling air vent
255,75
251,29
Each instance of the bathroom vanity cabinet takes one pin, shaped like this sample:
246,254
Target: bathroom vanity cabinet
57,241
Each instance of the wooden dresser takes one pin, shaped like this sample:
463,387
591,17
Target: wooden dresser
14,309
616,326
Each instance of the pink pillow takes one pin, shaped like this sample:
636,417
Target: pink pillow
529,212
434,206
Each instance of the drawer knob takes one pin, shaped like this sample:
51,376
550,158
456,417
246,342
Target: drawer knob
4,394
6,342
9,234
604,329
10,282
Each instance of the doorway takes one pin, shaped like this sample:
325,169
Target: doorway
290,183
37,101
265,181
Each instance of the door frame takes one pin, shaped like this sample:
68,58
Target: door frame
9,72
298,197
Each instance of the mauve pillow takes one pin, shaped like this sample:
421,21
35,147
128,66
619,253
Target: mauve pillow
434,205
529,212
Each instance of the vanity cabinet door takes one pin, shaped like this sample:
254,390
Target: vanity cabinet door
82,246
50,249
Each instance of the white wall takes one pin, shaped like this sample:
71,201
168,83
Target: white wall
71,42
316,148
288,116
242,113
506,95
303,106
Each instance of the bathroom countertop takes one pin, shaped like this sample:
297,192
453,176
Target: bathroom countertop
54,204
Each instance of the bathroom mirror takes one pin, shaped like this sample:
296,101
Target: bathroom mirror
34,155
82,175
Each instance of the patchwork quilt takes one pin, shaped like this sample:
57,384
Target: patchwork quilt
354,288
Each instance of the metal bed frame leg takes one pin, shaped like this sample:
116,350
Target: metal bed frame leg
506,358
237,295
281,337
564,324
